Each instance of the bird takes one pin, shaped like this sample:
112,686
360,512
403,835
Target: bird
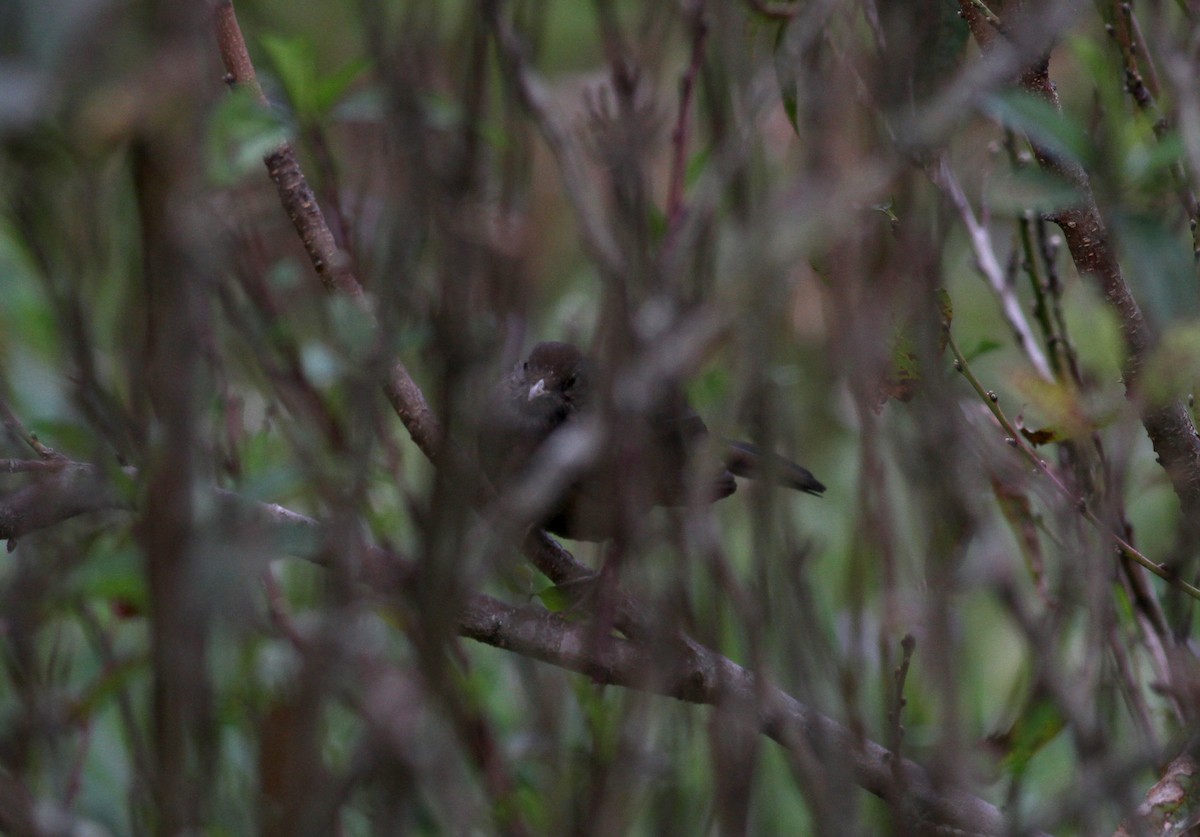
646,462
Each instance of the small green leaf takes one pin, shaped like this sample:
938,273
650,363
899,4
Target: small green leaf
329,90
983,347
1040,724
945,305
697,165
116,575
294,63
240,133
554,599
1057,404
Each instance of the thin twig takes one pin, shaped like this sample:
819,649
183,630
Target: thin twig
679,134
989,266
536,96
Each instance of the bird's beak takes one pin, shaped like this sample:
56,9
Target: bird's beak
538,389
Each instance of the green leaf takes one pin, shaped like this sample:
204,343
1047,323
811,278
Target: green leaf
697,165
293,61
116,575
1042,123
983,347
329,90
1040,724
1174,368
554,599
1095,331
1150,159
240,134
943,36
1058,404
1159,261
945,305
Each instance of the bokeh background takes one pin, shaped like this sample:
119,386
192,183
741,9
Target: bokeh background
238,596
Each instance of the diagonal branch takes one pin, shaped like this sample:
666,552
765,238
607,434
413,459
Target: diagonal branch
989,265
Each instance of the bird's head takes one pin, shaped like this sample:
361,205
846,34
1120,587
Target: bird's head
554,377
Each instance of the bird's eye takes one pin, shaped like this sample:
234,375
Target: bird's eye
525,366
569,382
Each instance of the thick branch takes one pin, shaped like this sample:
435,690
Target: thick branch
698,675
48,499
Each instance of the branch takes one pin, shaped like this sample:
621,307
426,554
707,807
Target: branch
679,134
985,259
67,490
699,675
331,264
565,149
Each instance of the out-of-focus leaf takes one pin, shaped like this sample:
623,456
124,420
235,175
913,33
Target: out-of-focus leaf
295,65
1101,64
1174,368
945,308
1057,403
554,599
116,578
1160,261
1042,123
1041,436
696,166
983,347
904,377
1094,330
111,683
1012,192
1039,724
240,134
1146,161
657,222
942,39
329,90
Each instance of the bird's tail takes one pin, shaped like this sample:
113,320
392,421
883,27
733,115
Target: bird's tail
747,460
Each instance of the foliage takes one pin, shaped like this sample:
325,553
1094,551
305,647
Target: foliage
944,256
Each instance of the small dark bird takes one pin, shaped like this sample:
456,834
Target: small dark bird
648,463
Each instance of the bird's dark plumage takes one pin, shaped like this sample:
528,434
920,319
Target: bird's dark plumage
647,464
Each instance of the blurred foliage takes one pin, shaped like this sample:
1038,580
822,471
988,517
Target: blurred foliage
810,224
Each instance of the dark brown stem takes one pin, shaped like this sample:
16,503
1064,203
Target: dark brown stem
679,134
